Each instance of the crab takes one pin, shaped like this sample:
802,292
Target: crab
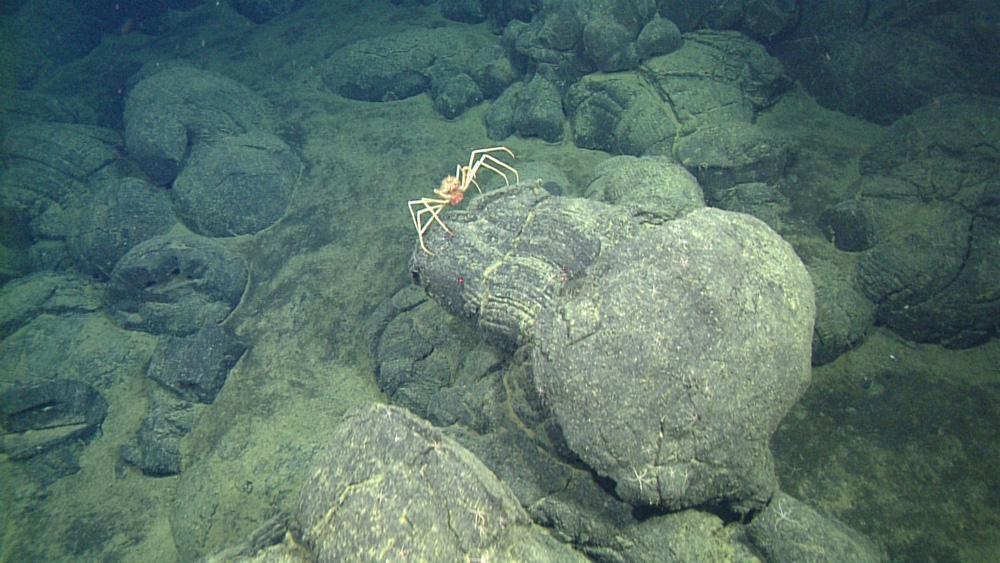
453,188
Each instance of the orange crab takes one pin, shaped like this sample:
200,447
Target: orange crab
452,190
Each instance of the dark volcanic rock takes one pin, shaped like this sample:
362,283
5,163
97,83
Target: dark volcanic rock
513,250
724,156
236,185
57,412
196,366
382,462
530,110
843,314
156,447
659,188
47,167
403,65
120,214
665,354
425,360
790,530
881,73
176,284
672,363
620,114
179,106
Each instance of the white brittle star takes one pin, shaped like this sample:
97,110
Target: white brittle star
641,478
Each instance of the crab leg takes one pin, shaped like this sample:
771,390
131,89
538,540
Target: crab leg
453,189
485,161
435,211
420,231
485,158
420,225
432,206
472,156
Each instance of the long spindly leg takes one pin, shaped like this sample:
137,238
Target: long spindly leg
472,157
484,162
475,163
465,179
434,207
427,225
413,214
470,178
435,211
474,183
420,235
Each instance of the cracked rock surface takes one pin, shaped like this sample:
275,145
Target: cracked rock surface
667,353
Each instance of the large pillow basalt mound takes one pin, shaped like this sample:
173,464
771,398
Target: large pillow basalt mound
115,217
238,185
881,74
666,354
670,366
180,106
213,138
391,486
176,284
401,65
513,249
46,168
926,220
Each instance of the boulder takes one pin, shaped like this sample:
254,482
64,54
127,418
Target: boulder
492,70
455,93
925,221
658,37
763,201
21,107
609,44
620,114
881,73
47,425
513,250
659,188
670,364
47,293
965,313
52,404
195,367
236,185
111,220
945,150
47,166
156,447
717,77
576,36
843,314
171,109
424,360
530,110
383,462
636,331
789,530
725,155
175,284
403,65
